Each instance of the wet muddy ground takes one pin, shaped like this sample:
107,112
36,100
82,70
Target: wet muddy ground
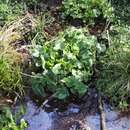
72,118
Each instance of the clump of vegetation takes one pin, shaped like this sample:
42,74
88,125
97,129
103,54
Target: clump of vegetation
87,10
66,62
114,77
122,10
7,121
9,11
10,59
10,77
38,36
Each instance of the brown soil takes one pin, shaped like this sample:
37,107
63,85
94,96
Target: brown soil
90,106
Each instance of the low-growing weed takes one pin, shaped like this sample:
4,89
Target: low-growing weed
9,11
114,77
7,121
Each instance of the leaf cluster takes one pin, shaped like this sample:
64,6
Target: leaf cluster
66,62
87,10
7,121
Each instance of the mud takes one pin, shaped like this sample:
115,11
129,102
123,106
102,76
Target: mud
71,119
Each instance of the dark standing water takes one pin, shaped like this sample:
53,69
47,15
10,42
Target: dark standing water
39,119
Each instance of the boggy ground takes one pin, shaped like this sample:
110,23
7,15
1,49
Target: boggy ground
80,115
72,116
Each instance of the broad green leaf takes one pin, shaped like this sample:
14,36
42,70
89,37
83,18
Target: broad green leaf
38,86
68,81
56,69
80,87
62,93
71,56
75,85
35,52
59,44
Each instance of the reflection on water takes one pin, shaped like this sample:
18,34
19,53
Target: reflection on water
38,119
113,122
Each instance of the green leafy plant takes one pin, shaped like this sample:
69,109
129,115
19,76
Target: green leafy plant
66,62
87,9
7,121
114,74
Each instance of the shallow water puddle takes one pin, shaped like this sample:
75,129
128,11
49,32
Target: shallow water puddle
113,122
38,119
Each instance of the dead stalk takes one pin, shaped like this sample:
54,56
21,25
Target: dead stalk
102,114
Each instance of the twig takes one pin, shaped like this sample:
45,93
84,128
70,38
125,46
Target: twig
44,103
102,114
47,100
108,36
31,76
